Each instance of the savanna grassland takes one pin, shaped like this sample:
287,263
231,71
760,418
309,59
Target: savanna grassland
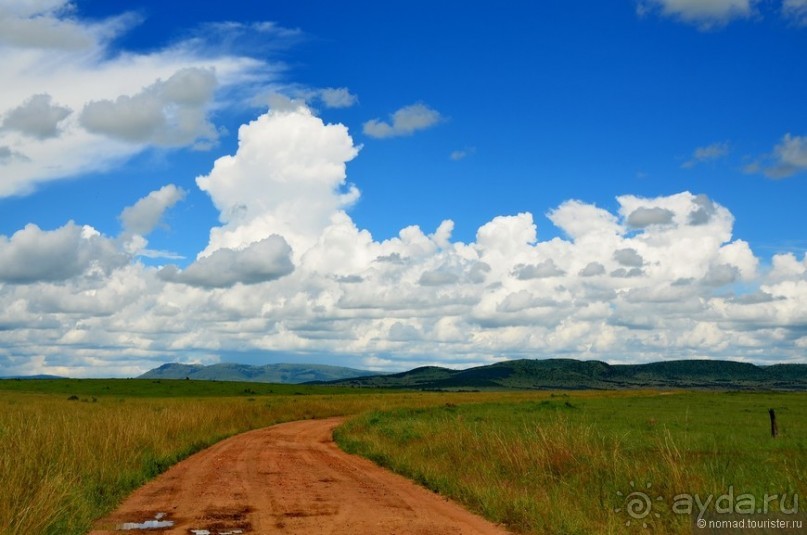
569,463
538,462
71,450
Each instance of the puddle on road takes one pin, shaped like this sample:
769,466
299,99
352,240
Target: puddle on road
208,532
224,521
157,523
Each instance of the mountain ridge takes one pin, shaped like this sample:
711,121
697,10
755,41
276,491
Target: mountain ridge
268,373
580,374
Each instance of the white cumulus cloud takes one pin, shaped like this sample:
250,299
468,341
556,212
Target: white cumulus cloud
790,157
262,261
289,270
404,122
33,255
47,24
167,113
705,14
144,215
337,97
795,10
287,178
36,117
103,105
707,153
644,217
462,153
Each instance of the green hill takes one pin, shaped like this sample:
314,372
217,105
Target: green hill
576,374
32,377
269,373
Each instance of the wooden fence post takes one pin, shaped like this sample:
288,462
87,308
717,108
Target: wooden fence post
774,427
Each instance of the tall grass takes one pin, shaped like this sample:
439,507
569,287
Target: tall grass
539,462
65,463
566,465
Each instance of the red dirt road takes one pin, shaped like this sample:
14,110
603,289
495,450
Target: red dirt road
289,478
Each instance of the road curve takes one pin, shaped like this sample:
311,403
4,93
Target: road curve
288,478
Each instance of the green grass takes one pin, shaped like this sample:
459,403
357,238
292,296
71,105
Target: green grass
541,462
557,465
65,463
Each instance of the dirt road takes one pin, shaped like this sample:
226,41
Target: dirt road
289,478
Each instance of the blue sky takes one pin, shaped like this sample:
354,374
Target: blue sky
623,181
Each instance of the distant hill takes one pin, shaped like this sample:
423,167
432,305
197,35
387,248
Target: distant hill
270,373
575,374
36,377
